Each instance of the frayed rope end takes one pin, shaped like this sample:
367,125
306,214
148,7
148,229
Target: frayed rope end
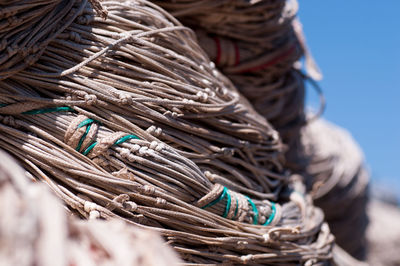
100,10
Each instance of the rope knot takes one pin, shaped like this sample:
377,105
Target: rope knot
85,19
242,244
155,131
155,146
5,13
202,96
206,82
90,206
12,50
160,147
74,36
125,153
30,60
266,238
24,51
148,190
94,215
221,91
171,114
188,101
143,151
210,176
92,209
36,48
246,258
13,21
125,98
227,152
118,202
3,44
161,202
244,145
135,148
90,99
130,206
122,198
10,121
210,92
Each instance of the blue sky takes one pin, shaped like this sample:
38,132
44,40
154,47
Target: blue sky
357,45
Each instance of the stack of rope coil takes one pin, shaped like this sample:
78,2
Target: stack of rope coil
35,230
335,174
383,245
126,117
256,44
171,93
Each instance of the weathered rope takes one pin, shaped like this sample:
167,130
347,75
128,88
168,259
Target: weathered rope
335,174
156,205
84,139
140,73
211,103
256,44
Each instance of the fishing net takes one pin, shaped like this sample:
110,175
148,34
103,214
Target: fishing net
335,174
126,117
255,44
35,230
383,245
171,93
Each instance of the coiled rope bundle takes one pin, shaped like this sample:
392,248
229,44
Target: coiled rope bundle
127,118
335,174
27,27
255,44
172,94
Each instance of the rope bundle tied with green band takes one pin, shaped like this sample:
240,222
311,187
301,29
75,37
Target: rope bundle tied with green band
225,194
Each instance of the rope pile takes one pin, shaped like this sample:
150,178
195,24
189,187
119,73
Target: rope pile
383,245
335,174
35,230
173,95
127,118
256,45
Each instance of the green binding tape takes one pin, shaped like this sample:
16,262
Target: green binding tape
221,197
228,204
225,192
272,216
87,121
255,216
49,110
88,149
125,138
78,148
121,140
